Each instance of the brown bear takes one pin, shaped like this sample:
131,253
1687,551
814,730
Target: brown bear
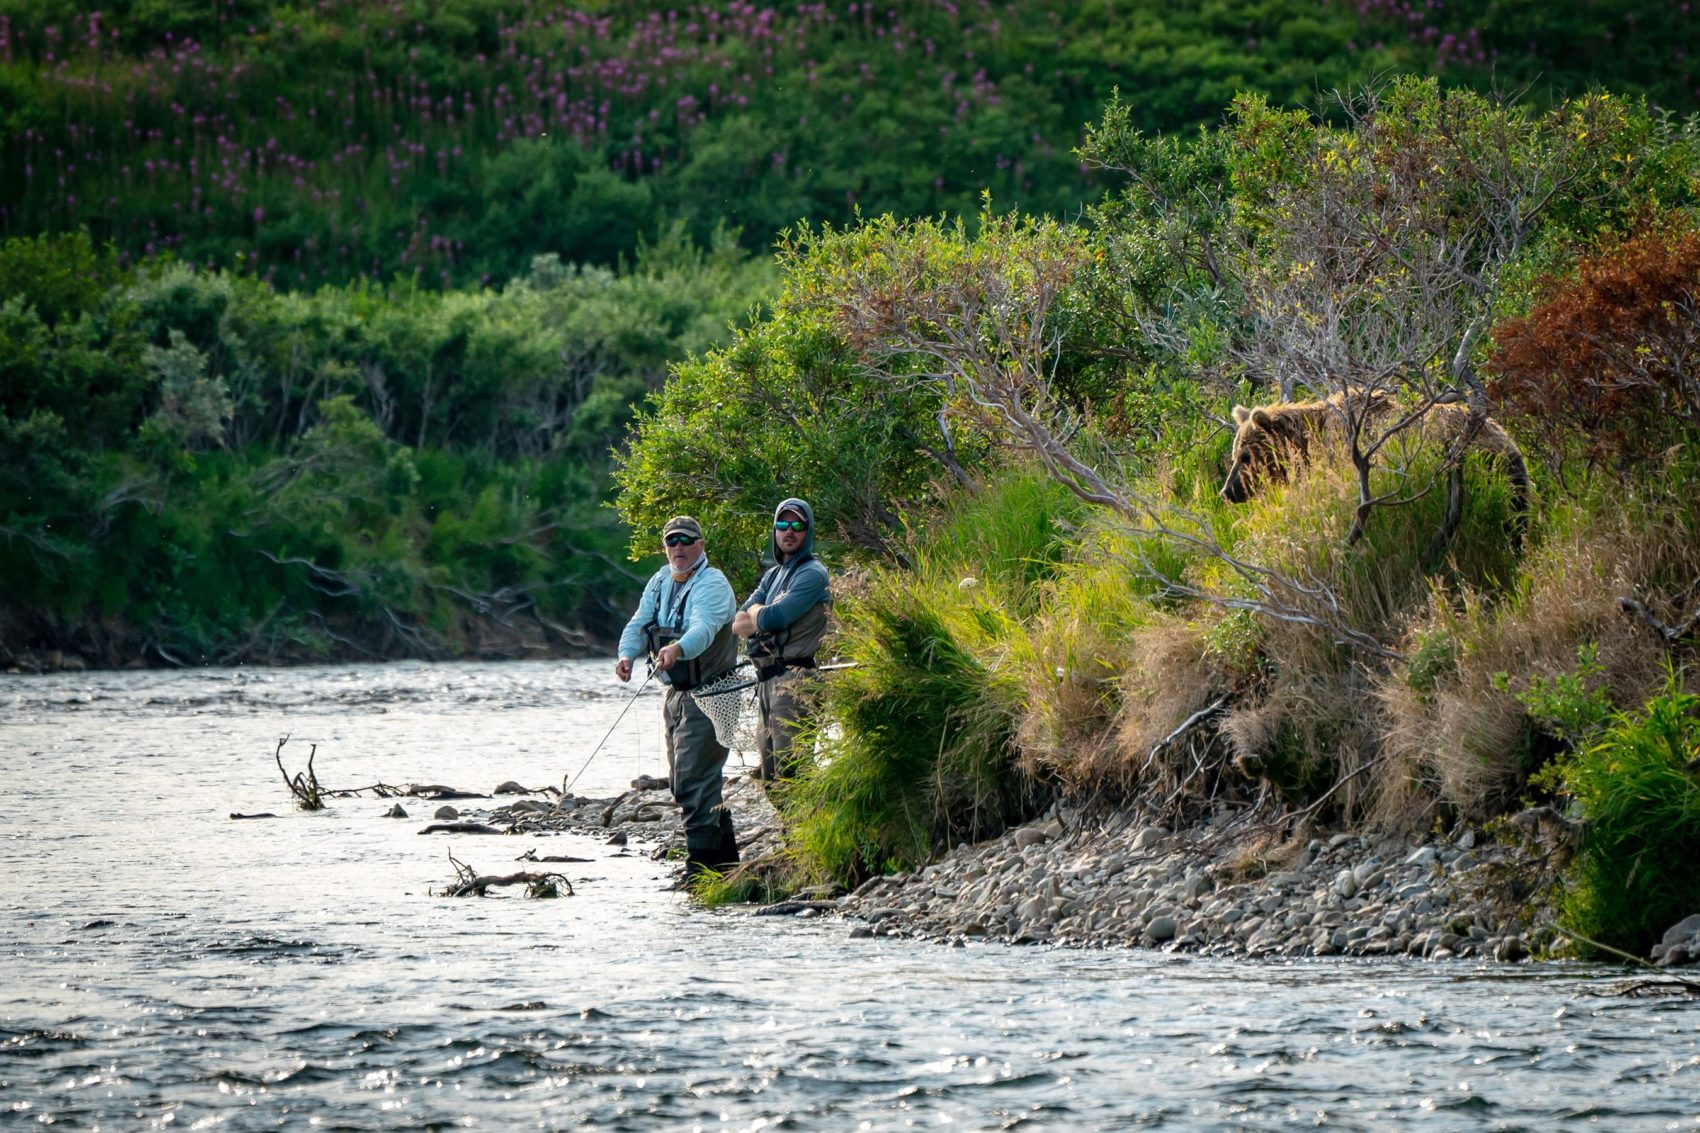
1271,437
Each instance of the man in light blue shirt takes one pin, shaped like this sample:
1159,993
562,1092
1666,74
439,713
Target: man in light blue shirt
684,622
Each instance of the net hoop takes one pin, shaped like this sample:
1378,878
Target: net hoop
729,702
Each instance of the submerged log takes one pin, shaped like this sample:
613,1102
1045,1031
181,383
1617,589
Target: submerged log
462,828
438,791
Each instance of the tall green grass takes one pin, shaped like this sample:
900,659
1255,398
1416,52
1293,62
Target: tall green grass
916,744
1638,869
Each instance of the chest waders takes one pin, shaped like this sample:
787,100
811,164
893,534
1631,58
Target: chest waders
695,758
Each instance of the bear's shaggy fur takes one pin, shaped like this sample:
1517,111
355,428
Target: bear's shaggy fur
1271,438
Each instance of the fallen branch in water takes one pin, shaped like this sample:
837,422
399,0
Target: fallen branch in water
438,791
470,883
531,856
305,785
461,828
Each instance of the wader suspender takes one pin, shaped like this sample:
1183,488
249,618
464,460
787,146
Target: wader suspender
653,632
687,674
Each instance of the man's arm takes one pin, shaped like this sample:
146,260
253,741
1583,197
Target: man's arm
631,638
759,595
807,589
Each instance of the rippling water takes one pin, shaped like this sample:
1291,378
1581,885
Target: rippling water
164,965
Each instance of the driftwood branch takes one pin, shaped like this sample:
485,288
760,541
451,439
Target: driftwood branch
305,785
470,883
531,855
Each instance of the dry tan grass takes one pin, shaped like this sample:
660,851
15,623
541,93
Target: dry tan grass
1462,743
1168,678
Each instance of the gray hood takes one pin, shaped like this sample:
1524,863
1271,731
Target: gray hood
808,547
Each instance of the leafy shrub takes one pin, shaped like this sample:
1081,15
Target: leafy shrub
1608,360
1638,789
917,742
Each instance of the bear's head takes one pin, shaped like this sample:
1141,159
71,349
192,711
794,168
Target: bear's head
1266,440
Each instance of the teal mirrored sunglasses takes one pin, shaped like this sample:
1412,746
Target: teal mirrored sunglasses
790,525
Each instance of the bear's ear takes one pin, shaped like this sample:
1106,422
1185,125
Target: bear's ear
1264,419
1241,413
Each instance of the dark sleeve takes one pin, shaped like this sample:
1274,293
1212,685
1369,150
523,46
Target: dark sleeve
807,590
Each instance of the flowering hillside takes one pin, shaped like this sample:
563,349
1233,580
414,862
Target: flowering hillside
452,140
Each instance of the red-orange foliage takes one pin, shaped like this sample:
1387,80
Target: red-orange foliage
1613,354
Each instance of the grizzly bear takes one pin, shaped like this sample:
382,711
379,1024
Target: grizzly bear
1271,437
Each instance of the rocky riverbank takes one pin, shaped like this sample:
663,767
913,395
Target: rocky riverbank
645,816
1221,889
1226,887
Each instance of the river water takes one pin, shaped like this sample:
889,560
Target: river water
166,966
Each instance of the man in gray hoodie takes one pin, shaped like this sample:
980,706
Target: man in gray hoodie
784,619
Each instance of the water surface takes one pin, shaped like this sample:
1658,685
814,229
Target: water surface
165,966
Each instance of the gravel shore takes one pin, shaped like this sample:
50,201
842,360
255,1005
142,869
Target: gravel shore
1225,887
1112,882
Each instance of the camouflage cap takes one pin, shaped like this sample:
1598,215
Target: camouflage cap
682,524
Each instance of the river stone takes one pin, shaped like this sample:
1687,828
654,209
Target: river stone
446,814
1148,837
395,812
1345,884
1029,836
1161,928
1680,944
1466,840
1682,930
1421,856
511,788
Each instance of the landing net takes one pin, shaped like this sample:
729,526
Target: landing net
729,701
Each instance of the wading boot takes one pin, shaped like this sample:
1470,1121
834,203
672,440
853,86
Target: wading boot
700,858
728,854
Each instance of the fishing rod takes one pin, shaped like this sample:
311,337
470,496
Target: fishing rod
751,682
567,785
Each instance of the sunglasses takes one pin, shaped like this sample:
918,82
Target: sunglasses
681,540
790,525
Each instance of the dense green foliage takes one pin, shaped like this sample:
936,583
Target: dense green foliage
1637,787
453,140
198,467
923,752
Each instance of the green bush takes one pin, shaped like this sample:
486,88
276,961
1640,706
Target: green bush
1638,789
917,742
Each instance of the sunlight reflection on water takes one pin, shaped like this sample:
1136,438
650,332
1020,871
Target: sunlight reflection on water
166,965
